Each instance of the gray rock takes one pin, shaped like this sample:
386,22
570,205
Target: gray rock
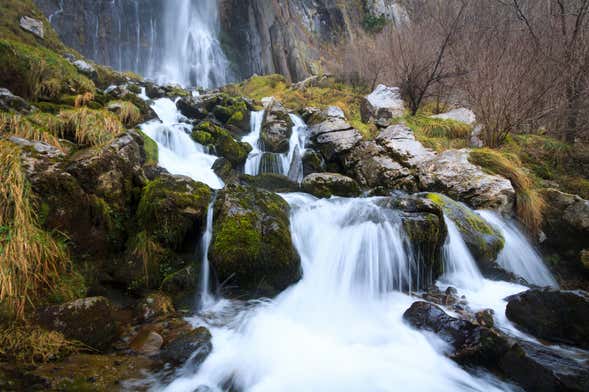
194,346
276,128
399,141
333,144
451,173
328,184
463,115
147,343
382,105
32,25
9,101
85,68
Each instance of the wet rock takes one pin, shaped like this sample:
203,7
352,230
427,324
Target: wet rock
193,107
382,105
482,239
451,173
88,320
32,25
312,162
270,181
399,141
328,184
225,170
194,346
276,128
155,305
147,343
251,249
559,316
10,102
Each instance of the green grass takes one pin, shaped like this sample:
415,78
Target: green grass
437,134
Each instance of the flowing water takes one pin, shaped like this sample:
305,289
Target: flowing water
177,152
518,255
289,164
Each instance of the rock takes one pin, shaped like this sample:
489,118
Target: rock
232,112
276,128
371,165
559,316
566,223
86,69
224,144
324,80
312,162
452,174
462,115
328,184
153,306
173,210
270,181
252,249
195,345
225,170
399,141
382,105
332,135
10,102
181,282
147,343
192,107
32,25
482,239
88,320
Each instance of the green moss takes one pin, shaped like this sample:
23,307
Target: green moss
239,239
36,72
151,150
202,137
225,144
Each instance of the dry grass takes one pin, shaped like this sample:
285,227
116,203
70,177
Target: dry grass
83,99
128,113
36,127
89,127
32,345
529,203
30,258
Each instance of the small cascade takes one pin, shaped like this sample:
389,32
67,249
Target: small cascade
206,297
289,164
518,255
177,152
460,268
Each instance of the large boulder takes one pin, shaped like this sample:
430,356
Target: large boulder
232,112
452,174
32,25
88,320
276,128
222,142
482,239
399,141
328,184
252,249
333,136
559,316
382,105
566,223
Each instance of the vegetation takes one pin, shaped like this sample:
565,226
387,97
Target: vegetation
128,113
436,133
373,23
31,259
88,127
151,150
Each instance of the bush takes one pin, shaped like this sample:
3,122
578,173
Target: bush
374,24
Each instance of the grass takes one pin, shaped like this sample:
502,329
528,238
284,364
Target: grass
438,134
38,73
89,127
32,127
128,113
529,204
31,260
149,252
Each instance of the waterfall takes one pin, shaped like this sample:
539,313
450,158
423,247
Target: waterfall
177,152
340,328
290,163
518,255
206,298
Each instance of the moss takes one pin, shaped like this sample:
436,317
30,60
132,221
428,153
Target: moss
36,72
239,239
225,145
202,137
151,150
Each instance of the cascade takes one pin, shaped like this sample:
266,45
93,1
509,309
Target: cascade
206,298
518,255
177,152
289,164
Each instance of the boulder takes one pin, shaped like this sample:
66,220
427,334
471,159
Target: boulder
559,316
313,162
232,112
195,345
86,69
222,142
32,25
88,320
462,115
10,102
333,135
566,223
252,250
328,184
399,141
270,181
147,342
382,105
482,239
452,174
276,128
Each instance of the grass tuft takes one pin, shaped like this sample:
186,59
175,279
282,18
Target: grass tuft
436,133
529,203
89,127
36,127
128,113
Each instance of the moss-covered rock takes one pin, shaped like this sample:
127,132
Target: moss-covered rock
232,112
329,184
276,128
270,181
252,248
223,142
482,239
173,209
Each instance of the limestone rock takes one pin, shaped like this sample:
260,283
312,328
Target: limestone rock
32,25
400,142
328,184
276,128
382,105
463,115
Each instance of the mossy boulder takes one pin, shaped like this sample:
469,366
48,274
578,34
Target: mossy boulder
276,128
482,239
232,112
89,320
329,184
252,249
222,141
173,210
270,181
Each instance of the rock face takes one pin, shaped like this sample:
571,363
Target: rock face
32,25
252,248
451,173
276,128
559,316
566,224
328,184
382,105
482,239
89,320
